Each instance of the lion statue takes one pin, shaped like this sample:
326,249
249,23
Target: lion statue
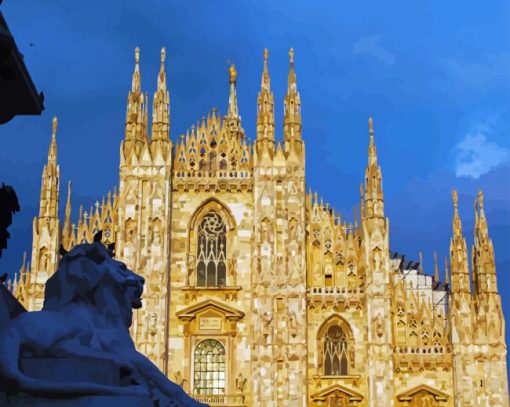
84,322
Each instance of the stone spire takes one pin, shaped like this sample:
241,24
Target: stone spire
372,151
446,273
374,200
458,253
136,113
232,121
265,109
52,152
266,79
232,98
462,313
136,81
484,265
436,268
291,107
46,228
161,105
48,206
67,229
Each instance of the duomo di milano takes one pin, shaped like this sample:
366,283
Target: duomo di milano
259,294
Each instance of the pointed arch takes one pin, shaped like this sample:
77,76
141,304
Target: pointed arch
335,347
211,233
212,204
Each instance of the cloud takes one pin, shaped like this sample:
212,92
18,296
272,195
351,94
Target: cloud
482,71
477,156
371,46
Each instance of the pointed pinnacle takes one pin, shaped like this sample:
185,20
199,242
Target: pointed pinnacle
455,198
372,152
480,202
457,225
446,276
135,83
54,123
68,202
265,72
291,55
24,262
291,81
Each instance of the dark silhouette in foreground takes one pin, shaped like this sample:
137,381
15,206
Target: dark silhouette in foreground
18,94
77,350
8,206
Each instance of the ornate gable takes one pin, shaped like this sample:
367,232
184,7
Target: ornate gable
191,312
337,391
422,388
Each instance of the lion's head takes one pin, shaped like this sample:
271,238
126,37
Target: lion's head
88,274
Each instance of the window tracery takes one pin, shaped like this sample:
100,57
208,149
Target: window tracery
335,355
211,251
209,367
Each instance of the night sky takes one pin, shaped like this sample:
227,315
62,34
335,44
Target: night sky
434,75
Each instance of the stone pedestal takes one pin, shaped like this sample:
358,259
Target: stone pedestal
73,370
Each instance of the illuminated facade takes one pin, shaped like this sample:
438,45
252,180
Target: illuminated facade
259,294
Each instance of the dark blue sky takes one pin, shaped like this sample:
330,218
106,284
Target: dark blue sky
434,75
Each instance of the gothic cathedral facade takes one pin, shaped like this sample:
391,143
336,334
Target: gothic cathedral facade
259,294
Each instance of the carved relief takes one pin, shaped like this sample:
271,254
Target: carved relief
240,383
267,329
130,231
376,256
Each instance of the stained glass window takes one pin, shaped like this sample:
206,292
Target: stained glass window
211,251
209,372
335,352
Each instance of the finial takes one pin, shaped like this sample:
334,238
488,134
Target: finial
372,152
421,263
233,73
135,83
446,277
455,200
291,55
55,123
480,199
265,84
68,203
163,54
23,266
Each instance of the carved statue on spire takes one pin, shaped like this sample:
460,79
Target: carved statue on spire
233,73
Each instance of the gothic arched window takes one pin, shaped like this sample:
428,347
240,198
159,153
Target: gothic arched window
209,372
335,352
211,251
